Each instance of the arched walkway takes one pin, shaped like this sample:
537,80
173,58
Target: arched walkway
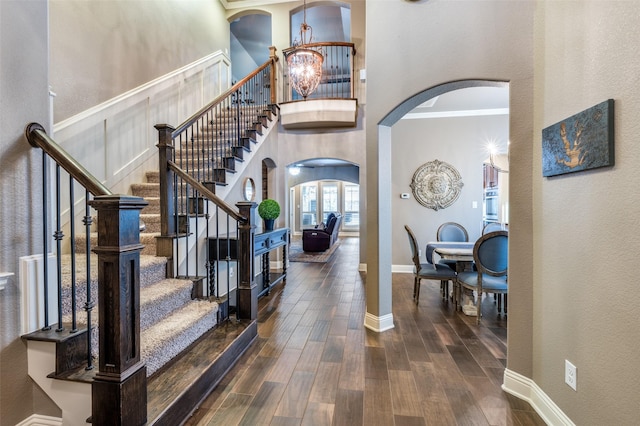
379,315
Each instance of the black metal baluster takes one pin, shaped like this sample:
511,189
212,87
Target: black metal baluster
45,229
72,236
58,235
89,304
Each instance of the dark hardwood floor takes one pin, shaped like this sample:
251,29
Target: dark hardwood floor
314,363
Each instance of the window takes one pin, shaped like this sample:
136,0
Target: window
329,200
351,206
308,204
320,198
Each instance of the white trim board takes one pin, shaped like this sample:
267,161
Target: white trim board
39,420
526,389
378,324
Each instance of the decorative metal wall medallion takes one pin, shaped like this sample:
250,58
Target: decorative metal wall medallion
436,185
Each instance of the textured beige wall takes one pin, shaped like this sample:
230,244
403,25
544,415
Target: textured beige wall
101,48
425,44
461,142
586,229
23,99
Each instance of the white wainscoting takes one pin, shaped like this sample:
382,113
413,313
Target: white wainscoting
116,140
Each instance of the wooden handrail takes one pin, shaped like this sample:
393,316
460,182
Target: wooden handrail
321,44
207,193
191,120
38,138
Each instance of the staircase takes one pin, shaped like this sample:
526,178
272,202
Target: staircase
170,318
185,350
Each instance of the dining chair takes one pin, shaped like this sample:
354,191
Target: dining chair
494,226
428,271
490,254
451,232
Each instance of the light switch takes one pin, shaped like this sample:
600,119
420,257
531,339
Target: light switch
474,205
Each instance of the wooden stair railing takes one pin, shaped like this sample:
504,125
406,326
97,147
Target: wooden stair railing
120,384
194,159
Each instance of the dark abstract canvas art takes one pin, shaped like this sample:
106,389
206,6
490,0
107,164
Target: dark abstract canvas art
581,142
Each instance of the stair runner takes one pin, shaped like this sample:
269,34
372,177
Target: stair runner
169,319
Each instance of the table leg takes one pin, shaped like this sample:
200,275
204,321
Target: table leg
465,297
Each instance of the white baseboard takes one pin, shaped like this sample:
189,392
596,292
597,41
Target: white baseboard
526,389
38,420
403,269
378,324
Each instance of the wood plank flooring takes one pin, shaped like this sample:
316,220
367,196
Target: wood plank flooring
314,363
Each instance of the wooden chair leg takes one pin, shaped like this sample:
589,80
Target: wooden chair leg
415,287
479,308
417,290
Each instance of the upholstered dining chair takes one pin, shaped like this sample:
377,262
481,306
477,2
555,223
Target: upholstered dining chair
428,271
494,226
490,254
451,232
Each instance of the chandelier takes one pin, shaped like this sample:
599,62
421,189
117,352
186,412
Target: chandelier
305,64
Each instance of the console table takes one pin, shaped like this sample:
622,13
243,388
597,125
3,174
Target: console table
263,244
226,248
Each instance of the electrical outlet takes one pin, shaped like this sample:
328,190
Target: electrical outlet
570,374
419,252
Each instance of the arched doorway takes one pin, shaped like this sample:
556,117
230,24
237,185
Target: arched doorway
320,186
379,300
468,131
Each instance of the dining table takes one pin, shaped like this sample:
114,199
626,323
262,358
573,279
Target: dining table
462,253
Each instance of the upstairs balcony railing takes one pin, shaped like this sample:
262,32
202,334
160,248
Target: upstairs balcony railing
338,72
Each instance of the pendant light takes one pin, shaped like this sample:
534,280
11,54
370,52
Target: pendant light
304,63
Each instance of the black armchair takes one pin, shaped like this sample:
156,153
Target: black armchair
322,237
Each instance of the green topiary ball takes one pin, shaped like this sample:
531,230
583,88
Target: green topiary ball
269,209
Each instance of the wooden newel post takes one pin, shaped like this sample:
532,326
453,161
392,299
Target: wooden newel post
164,244
119,390
272,74
247,289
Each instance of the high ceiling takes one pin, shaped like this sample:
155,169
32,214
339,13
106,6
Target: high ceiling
331,23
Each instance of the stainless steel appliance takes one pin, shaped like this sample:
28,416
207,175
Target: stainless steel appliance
490,205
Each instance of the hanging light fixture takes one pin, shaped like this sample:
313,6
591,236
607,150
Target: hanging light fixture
305,64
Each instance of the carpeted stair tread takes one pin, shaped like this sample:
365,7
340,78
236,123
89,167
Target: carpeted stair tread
156,302
153,176
152,270
159,300
167,338
148,239
152,222
153,207
145,189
